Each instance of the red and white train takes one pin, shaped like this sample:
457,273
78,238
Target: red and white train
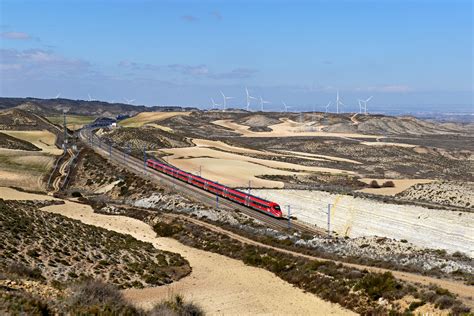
251,201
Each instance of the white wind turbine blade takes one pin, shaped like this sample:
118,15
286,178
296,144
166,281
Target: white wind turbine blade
370,98
90,99
327,106
58,95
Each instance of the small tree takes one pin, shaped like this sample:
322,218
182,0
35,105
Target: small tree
388,184
374,184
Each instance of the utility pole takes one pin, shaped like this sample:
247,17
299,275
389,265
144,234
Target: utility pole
289,216
217,200
65,131
329,219
144,159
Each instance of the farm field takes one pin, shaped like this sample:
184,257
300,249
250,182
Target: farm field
73,122
144,118
214,164
24,168
42,139
356,217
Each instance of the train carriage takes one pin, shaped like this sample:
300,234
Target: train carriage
251,201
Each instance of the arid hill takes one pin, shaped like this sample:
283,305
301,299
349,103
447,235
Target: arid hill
79,107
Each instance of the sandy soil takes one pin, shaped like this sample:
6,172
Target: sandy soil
388,144
241,150
281,153
147,117
287,128
219,284
41,139
215,164
357,217
400,185
223,146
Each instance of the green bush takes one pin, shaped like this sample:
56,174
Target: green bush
167,229
176,306
388,184
374,184
415,305
378,285
24,271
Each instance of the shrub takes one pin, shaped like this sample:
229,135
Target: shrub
166,230
94,292
76,194
388,184
378,285
444,302
176,306
24,271
415,305
374,184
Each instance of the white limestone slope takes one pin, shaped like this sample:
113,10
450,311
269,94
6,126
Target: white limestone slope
356,217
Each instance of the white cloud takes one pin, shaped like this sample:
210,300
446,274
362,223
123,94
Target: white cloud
40,62
16,35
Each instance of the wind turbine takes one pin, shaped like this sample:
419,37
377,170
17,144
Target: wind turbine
286,107
262,102
327,106
90,99
365,104
214,104
129,101
57,95
338,102
249,97
225,100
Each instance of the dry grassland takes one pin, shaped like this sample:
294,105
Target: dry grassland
148,117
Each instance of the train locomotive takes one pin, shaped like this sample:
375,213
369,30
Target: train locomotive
251,201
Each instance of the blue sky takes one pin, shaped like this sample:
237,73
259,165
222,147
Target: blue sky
410,55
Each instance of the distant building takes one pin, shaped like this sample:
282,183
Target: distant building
103,122
122,117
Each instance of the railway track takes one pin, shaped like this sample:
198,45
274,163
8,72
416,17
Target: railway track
138,167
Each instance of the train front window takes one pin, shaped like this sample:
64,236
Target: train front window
276,207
